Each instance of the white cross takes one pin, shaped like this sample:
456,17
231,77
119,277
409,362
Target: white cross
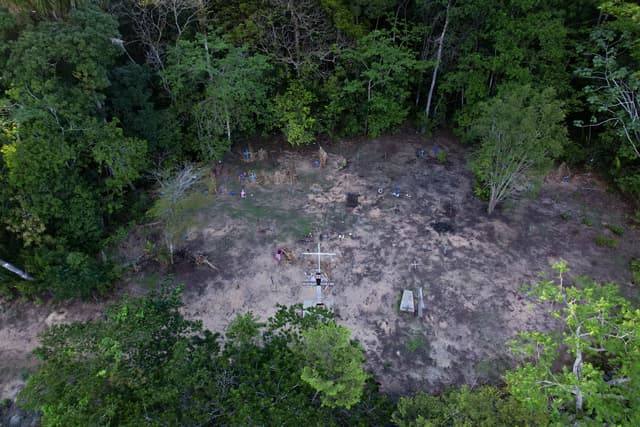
318,273
319,255
414,265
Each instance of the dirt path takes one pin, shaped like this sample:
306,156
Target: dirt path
436,235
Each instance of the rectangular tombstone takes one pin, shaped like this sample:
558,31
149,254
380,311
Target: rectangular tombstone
407,302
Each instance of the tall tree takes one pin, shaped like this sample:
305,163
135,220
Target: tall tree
142,364
373,95
497,42
220,89
333,365
66,161
436,67
599,377
612,87
520,132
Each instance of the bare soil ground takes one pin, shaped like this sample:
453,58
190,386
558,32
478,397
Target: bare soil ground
436,235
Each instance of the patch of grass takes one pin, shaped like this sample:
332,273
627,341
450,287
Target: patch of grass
289,222
566,216
616,229
606,242
415,343
442,156
587,220
635,270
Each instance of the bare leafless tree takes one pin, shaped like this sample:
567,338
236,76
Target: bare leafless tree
297,32
155,24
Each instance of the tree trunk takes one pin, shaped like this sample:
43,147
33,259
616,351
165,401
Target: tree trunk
492,205
427,110
12,268
227,123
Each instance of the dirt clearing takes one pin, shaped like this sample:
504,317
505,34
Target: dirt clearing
432,233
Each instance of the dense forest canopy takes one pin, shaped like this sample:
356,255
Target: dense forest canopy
102,102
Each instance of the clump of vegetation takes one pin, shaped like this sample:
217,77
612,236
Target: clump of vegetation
566,216
520,132
442,156
587,220
616,229
415,343
178,200
635,270
606,242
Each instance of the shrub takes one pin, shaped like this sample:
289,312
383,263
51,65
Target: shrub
415,343
618,230
442,156
606,242
69,274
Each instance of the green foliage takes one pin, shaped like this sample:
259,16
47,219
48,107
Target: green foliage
65,160
521,131
220,88
484,406
612,86
498,43
179,199
616,229
415,343
269,361
634,264
130,100
68,274
143,363
293,113
333,365
442,156
587,220
600,367
606,242
371,89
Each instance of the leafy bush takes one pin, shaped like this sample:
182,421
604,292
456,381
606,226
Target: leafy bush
415,343
606,242
293,110
442,156
616,229
71,274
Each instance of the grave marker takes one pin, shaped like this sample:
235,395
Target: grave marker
319,279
